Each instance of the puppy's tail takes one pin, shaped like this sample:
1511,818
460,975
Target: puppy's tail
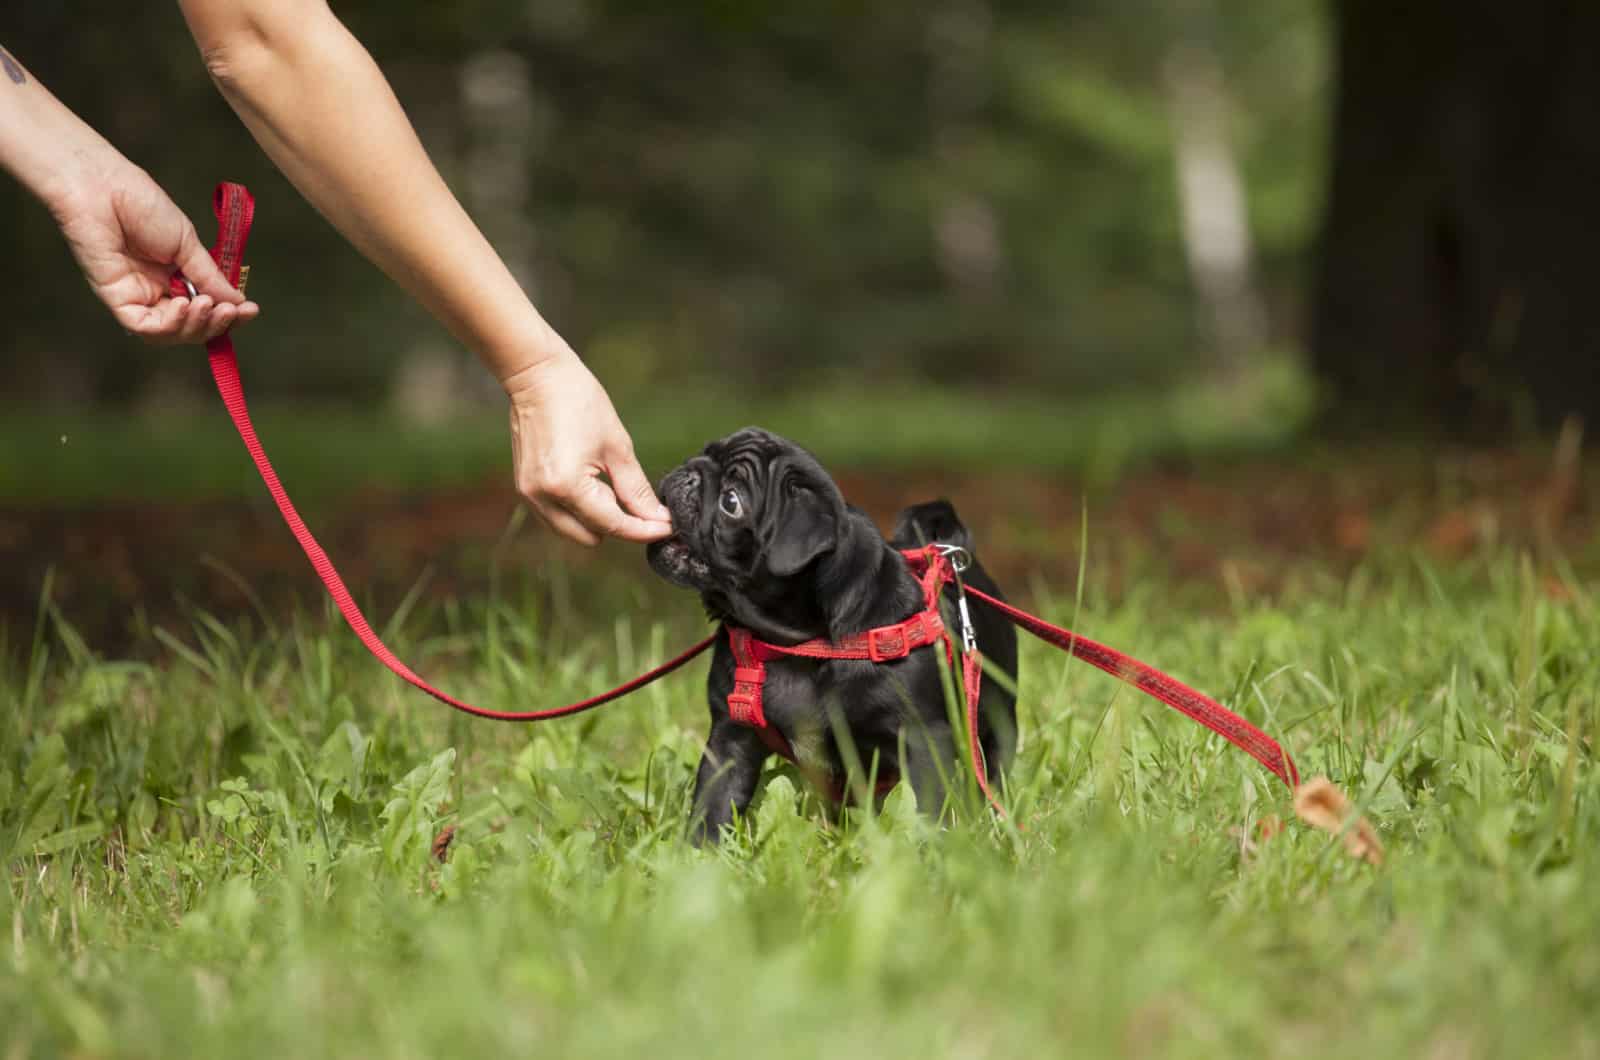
929,522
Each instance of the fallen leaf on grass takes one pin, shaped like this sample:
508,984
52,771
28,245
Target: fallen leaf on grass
1319,803
1556,589
1457,532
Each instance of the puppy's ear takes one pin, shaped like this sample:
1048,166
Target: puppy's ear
806,528
931,521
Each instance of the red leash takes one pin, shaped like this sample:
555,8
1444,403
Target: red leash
235,210
1152,682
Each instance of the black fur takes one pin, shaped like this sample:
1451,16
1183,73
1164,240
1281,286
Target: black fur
797,562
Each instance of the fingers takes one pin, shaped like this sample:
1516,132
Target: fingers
179,321
565,441
154,324
634,491
223,317
196,320
197,264
595,505
586,510
174,321
567,525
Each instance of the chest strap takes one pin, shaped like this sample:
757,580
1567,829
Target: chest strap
878,645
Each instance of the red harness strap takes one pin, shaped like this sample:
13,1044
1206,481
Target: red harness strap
235,211
878,645
744,702
749,676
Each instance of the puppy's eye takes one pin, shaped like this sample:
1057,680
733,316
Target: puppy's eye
730,504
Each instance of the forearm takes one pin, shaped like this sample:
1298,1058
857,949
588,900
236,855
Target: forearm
45,146
320,107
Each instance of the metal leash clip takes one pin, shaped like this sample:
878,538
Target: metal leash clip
969,636
960,559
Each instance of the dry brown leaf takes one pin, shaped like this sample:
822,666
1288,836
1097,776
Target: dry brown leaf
1556,589
1457,532
442,841
1319,803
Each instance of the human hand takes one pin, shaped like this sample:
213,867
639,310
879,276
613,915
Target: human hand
128,236
566,442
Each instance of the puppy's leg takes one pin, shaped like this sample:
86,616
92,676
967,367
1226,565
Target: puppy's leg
930,763
726,782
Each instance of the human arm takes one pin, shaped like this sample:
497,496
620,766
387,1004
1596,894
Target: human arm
124,231
322,110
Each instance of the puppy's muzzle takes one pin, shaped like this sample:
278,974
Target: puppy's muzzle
674,558
680,492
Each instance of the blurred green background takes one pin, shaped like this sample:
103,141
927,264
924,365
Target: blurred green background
1066,198
770,196
1124,247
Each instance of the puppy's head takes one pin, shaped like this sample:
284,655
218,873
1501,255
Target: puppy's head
750,513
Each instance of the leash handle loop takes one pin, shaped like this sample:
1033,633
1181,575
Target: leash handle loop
235,210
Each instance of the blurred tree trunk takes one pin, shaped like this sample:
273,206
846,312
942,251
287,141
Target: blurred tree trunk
1458,260
966,232
1211,196
502,130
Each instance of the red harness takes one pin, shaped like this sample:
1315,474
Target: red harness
235,210
880,644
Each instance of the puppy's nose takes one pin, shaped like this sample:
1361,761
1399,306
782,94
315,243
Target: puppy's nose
680,492
678,480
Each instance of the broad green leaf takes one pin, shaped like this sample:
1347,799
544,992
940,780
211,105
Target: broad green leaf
410,817
68,838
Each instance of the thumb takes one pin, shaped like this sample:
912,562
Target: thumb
634,491
595,506
198,266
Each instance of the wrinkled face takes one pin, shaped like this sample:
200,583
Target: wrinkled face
751,509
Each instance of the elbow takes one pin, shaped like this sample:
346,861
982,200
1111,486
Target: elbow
237,61
250,51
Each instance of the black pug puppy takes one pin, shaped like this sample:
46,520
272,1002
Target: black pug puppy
766,538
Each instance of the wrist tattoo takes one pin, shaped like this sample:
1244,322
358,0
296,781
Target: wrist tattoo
13,68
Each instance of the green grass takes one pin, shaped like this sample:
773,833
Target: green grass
73,456
227,854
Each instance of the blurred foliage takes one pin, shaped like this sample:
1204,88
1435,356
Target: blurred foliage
760,193
329,452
